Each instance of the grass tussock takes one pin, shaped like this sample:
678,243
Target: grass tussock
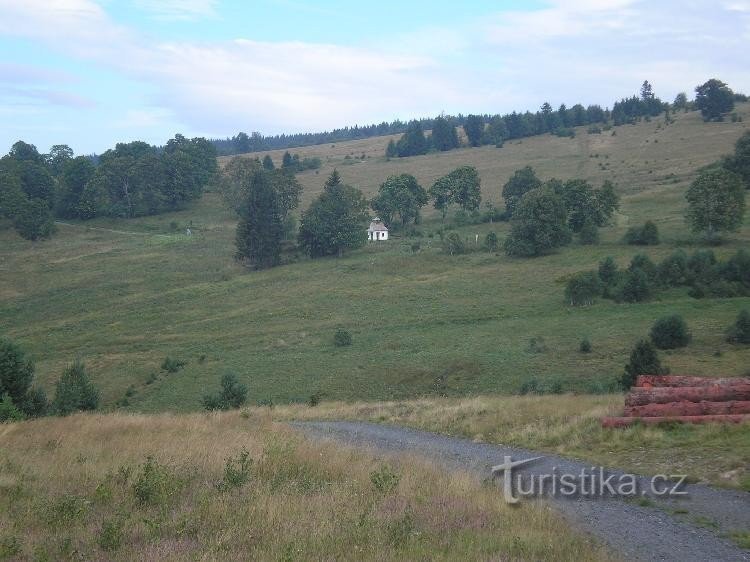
567,425
233,486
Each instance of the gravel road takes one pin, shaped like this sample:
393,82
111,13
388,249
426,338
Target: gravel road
686,529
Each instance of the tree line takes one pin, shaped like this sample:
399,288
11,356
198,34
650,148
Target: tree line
133,179
714,99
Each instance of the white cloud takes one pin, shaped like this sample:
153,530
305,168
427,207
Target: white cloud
592,51
178,9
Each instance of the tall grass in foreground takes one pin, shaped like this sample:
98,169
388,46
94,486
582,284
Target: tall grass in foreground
232,486
568,425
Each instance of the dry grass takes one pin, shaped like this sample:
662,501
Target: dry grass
77,488
567,425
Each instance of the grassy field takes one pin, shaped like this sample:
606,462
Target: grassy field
225,487
566,425
124,294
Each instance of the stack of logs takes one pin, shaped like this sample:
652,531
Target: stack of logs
672,398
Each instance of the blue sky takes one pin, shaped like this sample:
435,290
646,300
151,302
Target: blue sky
92,73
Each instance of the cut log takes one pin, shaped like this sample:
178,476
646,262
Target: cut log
664,395
650,381
629,420
689,408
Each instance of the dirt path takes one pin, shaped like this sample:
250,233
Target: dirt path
687,529
95,228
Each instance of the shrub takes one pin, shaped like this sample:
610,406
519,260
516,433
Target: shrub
670,332
236,472
16,376
342,338
155,485
533,386
589,233
537,345
646,235
74,391
10,546
702,265
737,268
739,332
111,534
8,410
644,263
384,479
490,242
636,287
673,270
585,346
644,360
530,386
233,394
172,365
608,271
454,245
583,288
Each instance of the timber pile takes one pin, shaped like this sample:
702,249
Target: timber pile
673,398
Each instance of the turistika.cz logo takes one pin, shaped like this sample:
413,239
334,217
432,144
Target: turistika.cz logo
591,482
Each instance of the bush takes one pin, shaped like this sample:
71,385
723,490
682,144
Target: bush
111,534
670,332
16,376
236,472
644,360
385,480
739,332
644,263
233,395
342,338
646,235
533,386
702,266
585,346
608,271
589,233
172,365
8,410
34,220
583,288
454,245
74,391
636,287
490,242
156,484
737,268
673,270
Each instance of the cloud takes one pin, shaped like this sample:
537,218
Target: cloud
178,9
589,51
24,95
21,73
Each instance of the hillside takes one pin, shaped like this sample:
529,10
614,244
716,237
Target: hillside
124,294
645,156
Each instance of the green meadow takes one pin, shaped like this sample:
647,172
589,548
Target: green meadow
124,294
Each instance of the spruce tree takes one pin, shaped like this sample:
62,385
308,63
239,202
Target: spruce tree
75,392
644,360
260,230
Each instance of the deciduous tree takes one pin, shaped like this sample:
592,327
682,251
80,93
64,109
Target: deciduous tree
716,203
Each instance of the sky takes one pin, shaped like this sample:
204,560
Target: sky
91,73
